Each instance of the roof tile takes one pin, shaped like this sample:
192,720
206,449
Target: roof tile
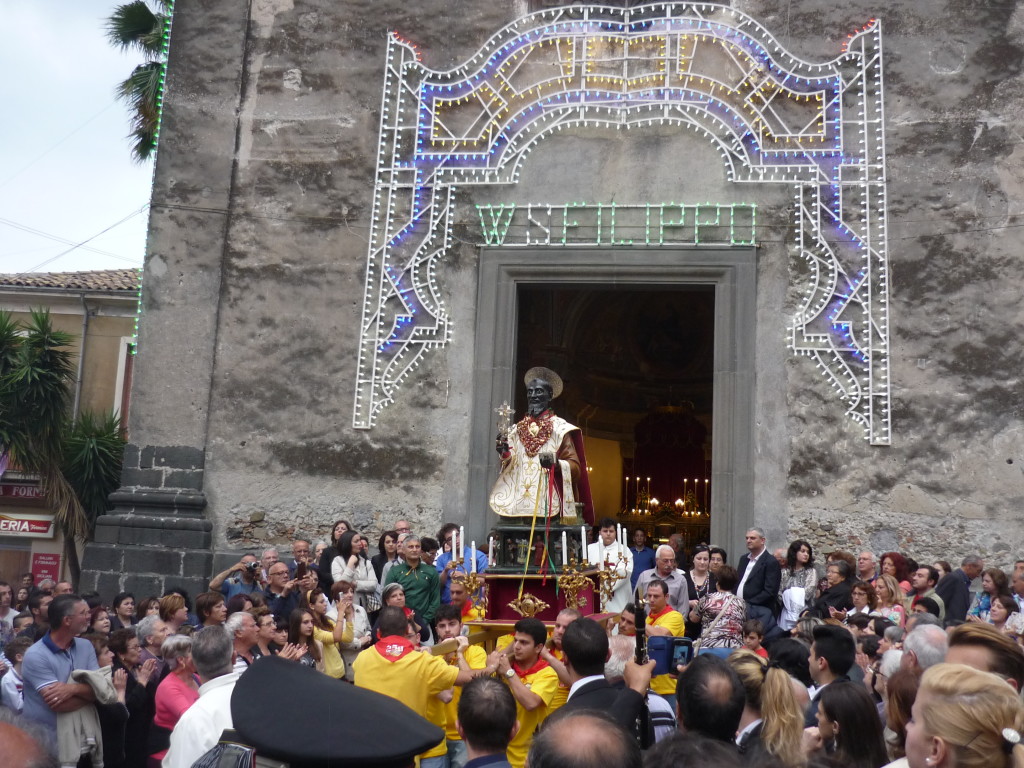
96,280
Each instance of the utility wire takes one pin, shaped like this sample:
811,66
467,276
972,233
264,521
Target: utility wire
59,239
44,153
88,239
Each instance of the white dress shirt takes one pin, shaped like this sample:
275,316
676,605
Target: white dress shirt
201,725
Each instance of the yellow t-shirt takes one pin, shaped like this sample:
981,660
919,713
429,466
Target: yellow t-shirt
673,621
415,680
544,683
562,693
473,614
334,665
476,657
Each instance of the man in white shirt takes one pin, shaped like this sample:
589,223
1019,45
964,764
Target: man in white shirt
604,553
7,613
199,729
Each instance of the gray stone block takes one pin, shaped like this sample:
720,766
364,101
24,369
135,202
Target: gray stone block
143,586
184,478
103,557
146,457
142,478
194,586
186,539
105,534
178,457
87,582
144,560
108,585
147,537
199,564
132,454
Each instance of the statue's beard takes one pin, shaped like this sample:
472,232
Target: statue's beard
536,409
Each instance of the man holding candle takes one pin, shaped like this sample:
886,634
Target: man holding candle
610,553
455,550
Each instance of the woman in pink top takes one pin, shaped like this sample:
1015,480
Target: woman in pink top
176,693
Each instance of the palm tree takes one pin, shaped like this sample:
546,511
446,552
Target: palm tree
78,463
137,26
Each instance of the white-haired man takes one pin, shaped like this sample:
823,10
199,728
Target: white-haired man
665,569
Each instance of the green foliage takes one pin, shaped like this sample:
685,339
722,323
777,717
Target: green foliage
93,453
76,463
34,394
136,26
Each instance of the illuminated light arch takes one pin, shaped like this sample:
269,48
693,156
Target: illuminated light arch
772,117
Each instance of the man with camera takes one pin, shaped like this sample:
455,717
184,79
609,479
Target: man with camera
245,583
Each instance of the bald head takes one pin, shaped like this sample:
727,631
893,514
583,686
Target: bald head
24,743
583,740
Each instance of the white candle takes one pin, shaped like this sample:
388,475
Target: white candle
490,551
472,554
565,551
462,542
583,542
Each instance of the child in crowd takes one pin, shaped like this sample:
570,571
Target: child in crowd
753,636
11,685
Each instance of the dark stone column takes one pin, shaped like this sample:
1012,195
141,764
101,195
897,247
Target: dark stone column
158,535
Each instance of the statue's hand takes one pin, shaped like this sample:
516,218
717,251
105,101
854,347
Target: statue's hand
547,459
501,444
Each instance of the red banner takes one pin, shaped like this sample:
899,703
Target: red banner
18,491
46,566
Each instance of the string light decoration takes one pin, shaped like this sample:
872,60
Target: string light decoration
512,225
704,67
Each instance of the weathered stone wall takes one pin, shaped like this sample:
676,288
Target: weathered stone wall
261,216
951,483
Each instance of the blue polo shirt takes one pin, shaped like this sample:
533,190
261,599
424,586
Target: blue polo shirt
471,554
643,560
44,664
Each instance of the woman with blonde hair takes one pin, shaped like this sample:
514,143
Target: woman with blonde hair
890,599
965,718
327,634
173,612
771,721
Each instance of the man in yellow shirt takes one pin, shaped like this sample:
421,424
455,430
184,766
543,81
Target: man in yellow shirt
461,600
532,681
395,668
449,625
556,656
663,620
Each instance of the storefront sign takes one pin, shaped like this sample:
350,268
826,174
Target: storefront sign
46,565
27,492
31,526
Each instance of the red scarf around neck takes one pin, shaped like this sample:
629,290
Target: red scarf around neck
393,647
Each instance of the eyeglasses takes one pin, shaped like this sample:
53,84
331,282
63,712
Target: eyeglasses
278,573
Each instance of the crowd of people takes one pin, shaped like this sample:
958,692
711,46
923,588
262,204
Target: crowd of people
864,660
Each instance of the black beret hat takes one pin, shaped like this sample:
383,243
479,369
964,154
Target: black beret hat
295,714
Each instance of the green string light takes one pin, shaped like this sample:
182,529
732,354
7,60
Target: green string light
165,48
509,224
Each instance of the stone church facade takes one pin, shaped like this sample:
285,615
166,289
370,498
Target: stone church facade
350,199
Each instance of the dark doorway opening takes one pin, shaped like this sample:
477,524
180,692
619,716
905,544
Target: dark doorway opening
638,367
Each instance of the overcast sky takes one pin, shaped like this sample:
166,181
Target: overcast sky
65,164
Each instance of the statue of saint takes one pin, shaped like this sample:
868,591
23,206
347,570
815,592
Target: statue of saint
543,466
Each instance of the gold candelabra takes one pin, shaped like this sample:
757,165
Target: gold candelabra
476,586
573,581
610,576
